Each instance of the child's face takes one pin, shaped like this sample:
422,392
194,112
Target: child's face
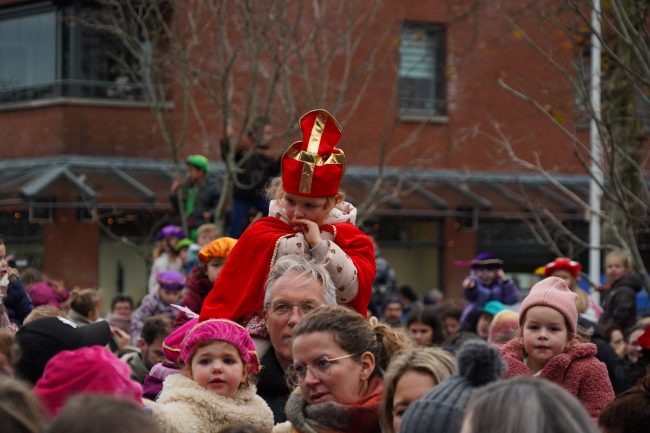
217,367
122,308
486,276
615,268
422,334
205,237
633,349
617,342
545,334
309,208
483,325
213,268
183,254
4,267
170,296
452,325
566,276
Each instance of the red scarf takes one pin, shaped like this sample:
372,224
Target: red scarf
238,291
333,417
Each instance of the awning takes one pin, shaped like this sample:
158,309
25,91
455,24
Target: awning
71,181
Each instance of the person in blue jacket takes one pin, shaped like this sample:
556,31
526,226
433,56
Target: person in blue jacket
16,300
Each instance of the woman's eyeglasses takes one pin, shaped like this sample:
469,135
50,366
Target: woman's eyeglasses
320,368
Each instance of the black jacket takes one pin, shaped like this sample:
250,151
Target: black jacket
207,199
272,386
619,302
17,302
255,173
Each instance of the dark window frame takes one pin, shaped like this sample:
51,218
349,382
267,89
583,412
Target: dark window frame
74,66
427,108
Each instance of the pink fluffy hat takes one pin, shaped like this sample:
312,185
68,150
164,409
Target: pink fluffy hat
220,330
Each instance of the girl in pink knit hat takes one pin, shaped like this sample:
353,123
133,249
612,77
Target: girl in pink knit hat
547,346
214,389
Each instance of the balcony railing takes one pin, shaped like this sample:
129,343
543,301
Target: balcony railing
118,89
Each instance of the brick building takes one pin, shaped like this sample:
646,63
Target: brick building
83,165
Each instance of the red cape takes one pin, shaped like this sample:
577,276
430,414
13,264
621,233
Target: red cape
238,291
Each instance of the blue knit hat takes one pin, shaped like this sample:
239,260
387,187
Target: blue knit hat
493,307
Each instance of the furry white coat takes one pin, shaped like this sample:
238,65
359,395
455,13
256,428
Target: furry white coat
185,406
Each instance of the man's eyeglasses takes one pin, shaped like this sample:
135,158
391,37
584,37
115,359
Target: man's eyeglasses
320,368
283,308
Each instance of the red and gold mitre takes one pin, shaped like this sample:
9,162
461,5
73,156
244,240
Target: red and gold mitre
313,167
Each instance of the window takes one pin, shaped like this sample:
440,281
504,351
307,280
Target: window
421,77
27,49
44,53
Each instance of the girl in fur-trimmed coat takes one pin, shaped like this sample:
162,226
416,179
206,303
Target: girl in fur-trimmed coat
547,346
214,390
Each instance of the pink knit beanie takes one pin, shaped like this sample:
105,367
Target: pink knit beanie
552,292
221,330
92,370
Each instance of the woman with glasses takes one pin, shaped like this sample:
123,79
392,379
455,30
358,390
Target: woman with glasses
338,363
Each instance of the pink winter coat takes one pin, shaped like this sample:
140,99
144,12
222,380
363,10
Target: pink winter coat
578,371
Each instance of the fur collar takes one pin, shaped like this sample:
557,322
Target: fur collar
513,354
184,403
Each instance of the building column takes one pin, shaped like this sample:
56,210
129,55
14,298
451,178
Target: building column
71,250
460,244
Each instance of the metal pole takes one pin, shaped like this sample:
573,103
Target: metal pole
597,175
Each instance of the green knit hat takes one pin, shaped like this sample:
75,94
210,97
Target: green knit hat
198,161
183,243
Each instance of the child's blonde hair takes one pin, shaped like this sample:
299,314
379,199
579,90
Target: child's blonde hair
208,228
622,254
274,191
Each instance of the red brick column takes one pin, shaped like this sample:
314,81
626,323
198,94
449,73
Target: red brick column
460,244
71,250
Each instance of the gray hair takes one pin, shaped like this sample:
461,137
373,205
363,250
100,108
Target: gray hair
527,404
301,267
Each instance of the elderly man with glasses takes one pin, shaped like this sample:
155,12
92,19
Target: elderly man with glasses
294,287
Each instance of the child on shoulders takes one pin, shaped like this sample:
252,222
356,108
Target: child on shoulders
486,282
308,217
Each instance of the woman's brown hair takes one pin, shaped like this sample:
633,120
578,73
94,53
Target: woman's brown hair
356,335
84,301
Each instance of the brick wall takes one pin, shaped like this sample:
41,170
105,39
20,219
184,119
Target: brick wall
480,50
70,250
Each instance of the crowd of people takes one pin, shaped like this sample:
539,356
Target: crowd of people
299,325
